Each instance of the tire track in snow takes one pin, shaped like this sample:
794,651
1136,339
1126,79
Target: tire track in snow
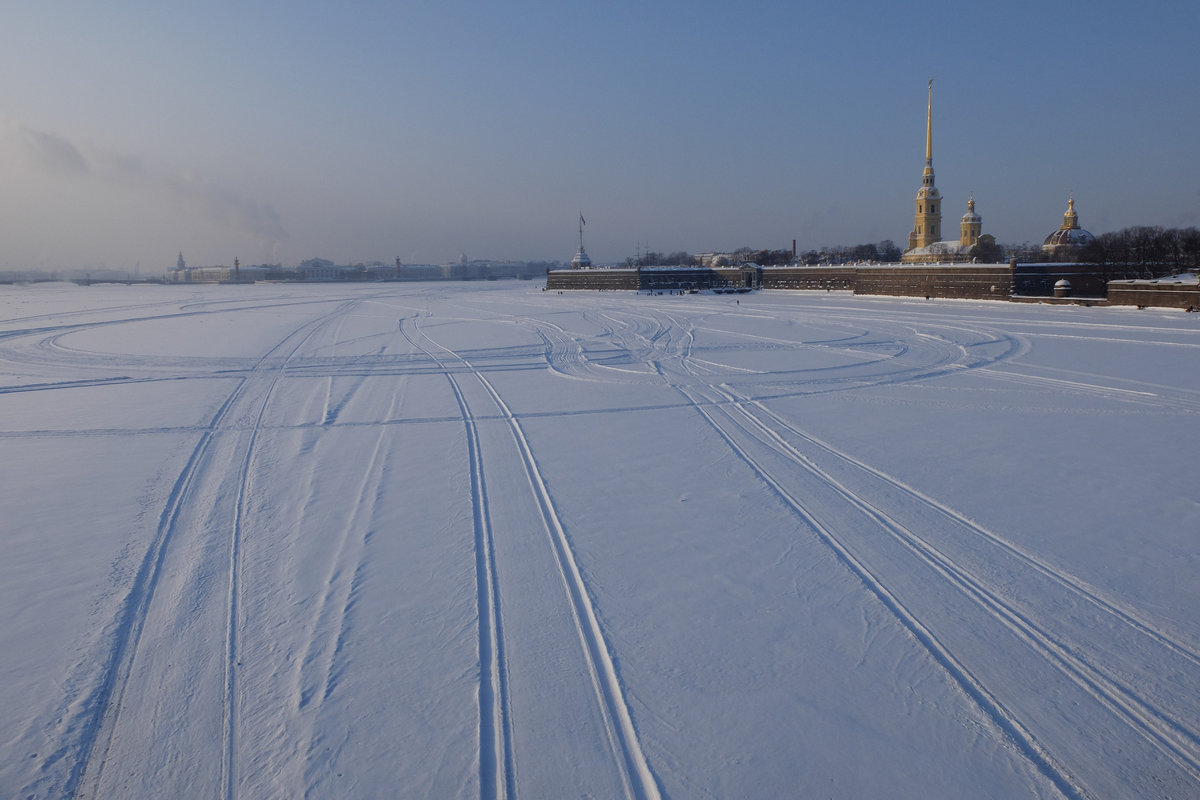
115,674
77,384
635,772
331,620
1077,586
103,719
564,353
497,775
334,410
650,337
992,707
1160,725
1162,398
105,704
234,621
972,687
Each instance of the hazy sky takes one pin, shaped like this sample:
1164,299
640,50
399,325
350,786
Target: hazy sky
272,130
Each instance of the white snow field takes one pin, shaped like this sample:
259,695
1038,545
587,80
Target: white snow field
481,540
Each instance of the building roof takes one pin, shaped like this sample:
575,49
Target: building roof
971,216
1069,234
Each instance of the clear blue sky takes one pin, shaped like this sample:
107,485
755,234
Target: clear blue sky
131,130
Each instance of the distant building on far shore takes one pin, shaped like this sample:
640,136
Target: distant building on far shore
581,260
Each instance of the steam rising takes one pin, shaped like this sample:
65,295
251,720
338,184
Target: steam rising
51,154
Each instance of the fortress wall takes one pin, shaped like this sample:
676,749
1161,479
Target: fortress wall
963,281
970,281
1149,294
672,278
611,279
653,278
1037,280
808,277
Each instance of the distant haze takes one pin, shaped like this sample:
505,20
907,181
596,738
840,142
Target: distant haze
132,131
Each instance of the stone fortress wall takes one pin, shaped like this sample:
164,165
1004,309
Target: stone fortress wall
962,281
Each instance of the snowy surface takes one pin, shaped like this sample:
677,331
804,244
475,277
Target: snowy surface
455,540
1187,278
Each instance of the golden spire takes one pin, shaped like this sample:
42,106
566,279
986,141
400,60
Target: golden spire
929,130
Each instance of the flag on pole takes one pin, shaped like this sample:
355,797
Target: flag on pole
582,221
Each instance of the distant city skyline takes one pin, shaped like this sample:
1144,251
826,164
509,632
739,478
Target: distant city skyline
369,131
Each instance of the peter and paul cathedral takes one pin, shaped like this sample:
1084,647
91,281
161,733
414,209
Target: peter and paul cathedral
925,243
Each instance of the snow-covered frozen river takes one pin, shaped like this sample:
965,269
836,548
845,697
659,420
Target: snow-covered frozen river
464,540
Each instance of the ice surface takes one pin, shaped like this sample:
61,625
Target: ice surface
443,540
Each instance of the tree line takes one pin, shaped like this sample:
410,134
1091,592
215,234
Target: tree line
680,258
1139,251
885,251
845,254
1143,251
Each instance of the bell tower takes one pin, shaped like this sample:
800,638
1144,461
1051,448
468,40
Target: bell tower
927,222
971,225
